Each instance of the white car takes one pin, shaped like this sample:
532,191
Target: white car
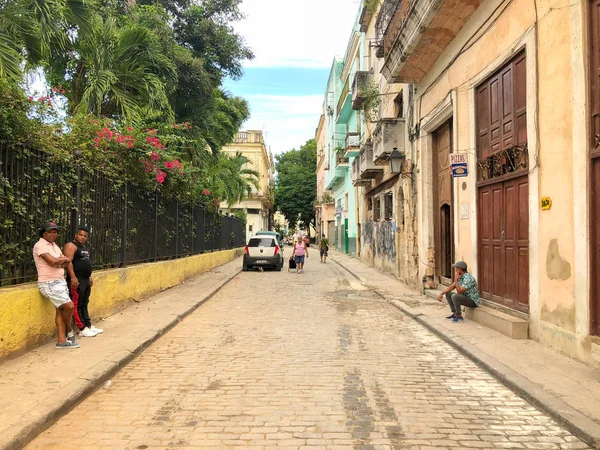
263,251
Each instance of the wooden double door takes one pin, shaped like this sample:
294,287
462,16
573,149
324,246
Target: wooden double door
595,247
595,167
443,198
504,242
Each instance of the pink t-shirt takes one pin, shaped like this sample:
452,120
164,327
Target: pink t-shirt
300,249
45,271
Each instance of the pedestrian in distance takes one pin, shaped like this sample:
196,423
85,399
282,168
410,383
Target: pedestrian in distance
50,264
299,253
467,293
324,248
79,277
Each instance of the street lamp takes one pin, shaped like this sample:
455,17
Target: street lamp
395,161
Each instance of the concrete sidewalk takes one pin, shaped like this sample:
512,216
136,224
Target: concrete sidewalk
566,389
40,386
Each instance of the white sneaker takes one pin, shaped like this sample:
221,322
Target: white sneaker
96,330
86,332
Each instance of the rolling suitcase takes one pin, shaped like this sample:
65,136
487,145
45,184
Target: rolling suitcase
291,264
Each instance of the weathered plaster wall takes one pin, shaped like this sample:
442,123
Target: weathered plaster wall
558,316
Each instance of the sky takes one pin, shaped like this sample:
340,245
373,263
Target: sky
294,43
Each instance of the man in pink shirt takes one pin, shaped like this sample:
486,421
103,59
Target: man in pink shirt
50,264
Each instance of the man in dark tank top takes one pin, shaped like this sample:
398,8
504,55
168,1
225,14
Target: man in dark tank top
79,276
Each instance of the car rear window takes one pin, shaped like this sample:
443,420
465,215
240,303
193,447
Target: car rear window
262,242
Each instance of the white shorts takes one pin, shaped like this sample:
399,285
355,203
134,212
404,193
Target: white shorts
56,291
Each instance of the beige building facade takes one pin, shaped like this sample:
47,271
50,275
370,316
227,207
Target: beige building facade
259,205
509,88
385,198
324,204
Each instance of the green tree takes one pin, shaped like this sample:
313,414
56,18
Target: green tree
230,179
31,31
296,185
119,72
207,31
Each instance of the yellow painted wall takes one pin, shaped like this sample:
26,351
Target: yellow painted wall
27,318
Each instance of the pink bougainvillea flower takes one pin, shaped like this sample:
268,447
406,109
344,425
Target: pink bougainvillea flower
216,200
154,156
129,129
120,138
169,165
205,192
160,176
108,133
97,141
30,98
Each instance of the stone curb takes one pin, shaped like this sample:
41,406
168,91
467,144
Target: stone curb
75,392
581,426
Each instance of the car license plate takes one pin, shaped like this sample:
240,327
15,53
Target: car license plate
261,261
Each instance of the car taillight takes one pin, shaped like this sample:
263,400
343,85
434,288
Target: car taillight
276,249
247,251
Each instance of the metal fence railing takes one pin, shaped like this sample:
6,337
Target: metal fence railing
127,224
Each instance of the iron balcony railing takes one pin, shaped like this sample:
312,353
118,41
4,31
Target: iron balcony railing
352,140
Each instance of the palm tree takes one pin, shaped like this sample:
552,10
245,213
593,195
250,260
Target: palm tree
32,30
121,72
230,179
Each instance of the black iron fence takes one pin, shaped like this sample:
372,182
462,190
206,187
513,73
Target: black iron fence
127,224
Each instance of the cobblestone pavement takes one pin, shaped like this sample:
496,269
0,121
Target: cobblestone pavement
311,361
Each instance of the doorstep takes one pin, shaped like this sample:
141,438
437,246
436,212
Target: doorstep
506,324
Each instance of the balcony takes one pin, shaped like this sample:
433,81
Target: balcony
352,144
388,134
249,137
339,172
357,181
344,106
361,79
341,160
368,169
417,34
365,17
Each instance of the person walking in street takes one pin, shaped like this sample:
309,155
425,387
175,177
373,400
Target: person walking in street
467,293
324,248
50,264
79,276
299,253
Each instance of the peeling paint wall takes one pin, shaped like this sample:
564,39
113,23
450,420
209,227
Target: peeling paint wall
380,238
557,133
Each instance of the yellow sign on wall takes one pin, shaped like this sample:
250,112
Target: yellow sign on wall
546,203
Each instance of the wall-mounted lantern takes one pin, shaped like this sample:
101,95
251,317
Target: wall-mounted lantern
395,161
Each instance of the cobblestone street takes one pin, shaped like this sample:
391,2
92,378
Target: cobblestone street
316,361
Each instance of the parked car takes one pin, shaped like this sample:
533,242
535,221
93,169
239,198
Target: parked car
263,251
271,233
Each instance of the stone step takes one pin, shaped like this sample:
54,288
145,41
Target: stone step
506,324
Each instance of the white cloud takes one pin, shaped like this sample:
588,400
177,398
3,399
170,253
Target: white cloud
288,121
307,33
